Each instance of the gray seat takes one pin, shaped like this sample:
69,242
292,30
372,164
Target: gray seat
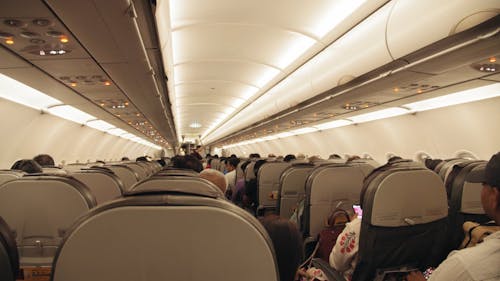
40,209
268,184
292,188
328,187
9,258
167,236
404,221
138,169
104,186
8,175
177,172
126,174
183,184
54,171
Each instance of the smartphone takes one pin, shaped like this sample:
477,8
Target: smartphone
357,209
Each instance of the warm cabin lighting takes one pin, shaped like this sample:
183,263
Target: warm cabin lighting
419,91
70,113
332,124
107,83
493,59
18,92
100,125
9,41
380,114
138,114
303,131
396,89
73,84
471,95
64,39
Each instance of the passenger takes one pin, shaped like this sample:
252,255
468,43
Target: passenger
289,157
27,165
44,160
124,158
480,262
239,189
251,200
233,156
196,153
231,164
187,162
352,158
431,164
394,159
334,156
287,242
141,159
215,177
301,156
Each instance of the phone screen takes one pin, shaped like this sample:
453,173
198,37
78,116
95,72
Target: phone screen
357,209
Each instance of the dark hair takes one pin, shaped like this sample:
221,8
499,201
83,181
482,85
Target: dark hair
287,243
44,160
289,157
233,156
187,162
233,161
141,159
124,158
431,164
28,165
394,158
257,166
334,156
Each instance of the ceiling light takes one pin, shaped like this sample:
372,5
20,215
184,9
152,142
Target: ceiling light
116,132
492,59
107,83
284,135
476,94
266,76
63,39
100,125
70,113
303,131
9,41
380,114
335,14
294,51
195,125
332,124
18,92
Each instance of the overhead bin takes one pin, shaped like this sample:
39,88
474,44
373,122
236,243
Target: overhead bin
384,37
414,24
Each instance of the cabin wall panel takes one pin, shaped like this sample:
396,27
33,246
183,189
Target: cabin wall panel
440,133
26,132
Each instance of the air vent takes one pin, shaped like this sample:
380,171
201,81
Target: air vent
356,105
486,67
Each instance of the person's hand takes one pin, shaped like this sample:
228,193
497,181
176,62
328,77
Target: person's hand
415,276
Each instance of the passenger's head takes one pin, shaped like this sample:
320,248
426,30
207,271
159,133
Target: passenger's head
287,243
352,158
394,159
215,177
187,162
490,194
141,159
44,160
231,163
289,157
334,156
124,158
257,166
27,165
431,164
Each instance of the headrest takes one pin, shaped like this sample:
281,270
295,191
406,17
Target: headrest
176,184
403,197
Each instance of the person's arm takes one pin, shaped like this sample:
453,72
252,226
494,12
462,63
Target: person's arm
452,268
345,249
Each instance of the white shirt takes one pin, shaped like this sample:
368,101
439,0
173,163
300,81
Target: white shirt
344,254
481,262
231,180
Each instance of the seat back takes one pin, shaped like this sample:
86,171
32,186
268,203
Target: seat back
464,200
8,175
126,174
104,186
40,209
404,220
328,187
180,184
447,167
9,258
268,183
249,172
239,172
292,188
166,236
54,171
138,169
177,172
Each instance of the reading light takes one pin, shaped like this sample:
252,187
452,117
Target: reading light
70,113
195,125
64,39
335,14
476,94
380,114
18,92
9,41
100,125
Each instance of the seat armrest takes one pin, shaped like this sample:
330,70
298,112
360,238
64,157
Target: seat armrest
329,272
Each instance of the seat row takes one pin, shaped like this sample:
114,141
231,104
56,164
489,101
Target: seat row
162,229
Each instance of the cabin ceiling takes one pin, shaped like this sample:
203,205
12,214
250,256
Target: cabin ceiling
93,55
